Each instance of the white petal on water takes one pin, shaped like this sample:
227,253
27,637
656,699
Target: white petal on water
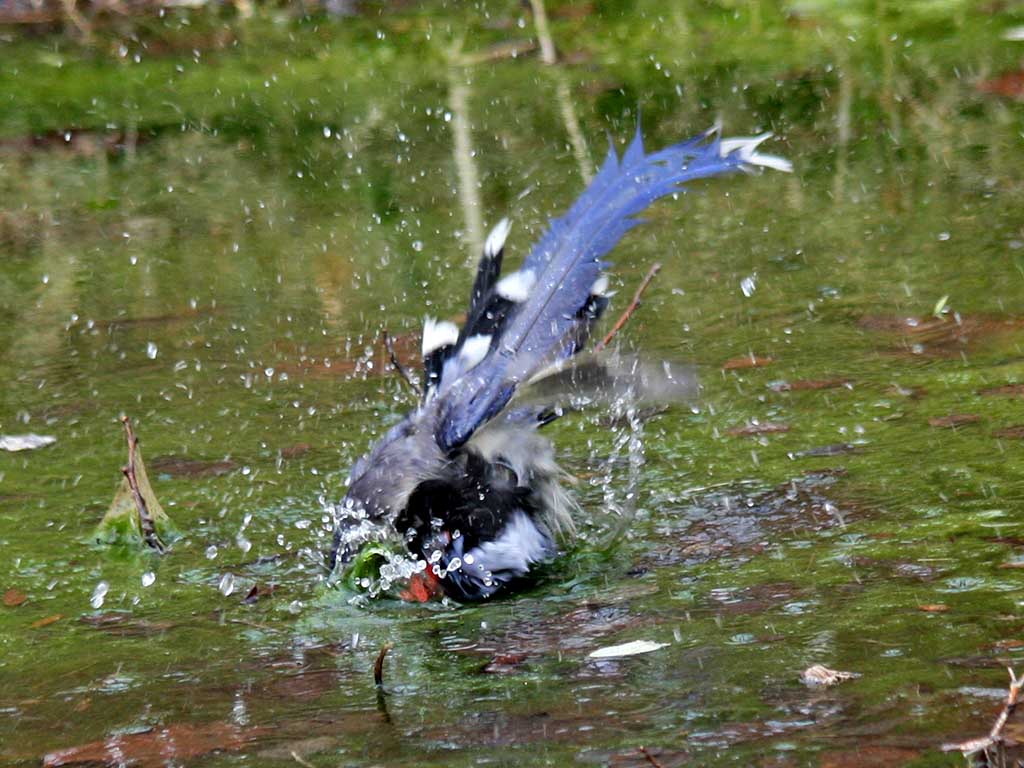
626,649
25,442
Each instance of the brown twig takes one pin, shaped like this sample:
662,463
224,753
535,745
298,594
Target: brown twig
146,523
650,758
378,665
624,317
994,737
397,364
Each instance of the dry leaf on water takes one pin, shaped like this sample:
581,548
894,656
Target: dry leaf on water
819,674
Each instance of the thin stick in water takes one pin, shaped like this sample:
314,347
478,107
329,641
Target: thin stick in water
149,534
378,665
649,757
624,317
995,735
404,372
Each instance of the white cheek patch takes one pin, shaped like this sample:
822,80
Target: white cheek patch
520,544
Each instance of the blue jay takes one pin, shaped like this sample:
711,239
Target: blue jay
467,479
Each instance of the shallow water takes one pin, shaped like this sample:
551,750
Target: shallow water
211,238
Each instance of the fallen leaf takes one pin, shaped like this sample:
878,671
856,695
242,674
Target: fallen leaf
748,361
159,746
1007,390
182,466
1008,84
626,649
25,442
13,598
504,663
933,608
47,621
766,428
423,587
294,451
954,420
866,756
1009,644
807,384
819,674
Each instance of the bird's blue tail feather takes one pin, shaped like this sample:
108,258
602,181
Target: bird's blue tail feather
542,313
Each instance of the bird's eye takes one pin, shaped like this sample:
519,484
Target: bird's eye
502,472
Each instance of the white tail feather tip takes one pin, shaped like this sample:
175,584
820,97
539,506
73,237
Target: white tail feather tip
746,147
474,349
496,240
600,286
516,287
438,334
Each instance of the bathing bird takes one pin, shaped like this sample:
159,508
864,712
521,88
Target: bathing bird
468,480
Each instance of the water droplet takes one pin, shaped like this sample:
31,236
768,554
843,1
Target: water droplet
148,579
748,285
417,245
227,584
327,132
99,594
211,552
151,350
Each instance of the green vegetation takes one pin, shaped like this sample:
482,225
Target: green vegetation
206,221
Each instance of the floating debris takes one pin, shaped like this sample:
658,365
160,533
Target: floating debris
634,648
135,516
28,442
820,675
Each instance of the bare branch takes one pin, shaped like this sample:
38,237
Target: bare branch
146,523
624,317
404,372
649,757
995,736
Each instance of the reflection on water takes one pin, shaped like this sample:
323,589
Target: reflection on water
210,231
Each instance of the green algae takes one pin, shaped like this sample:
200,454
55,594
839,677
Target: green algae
261,257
